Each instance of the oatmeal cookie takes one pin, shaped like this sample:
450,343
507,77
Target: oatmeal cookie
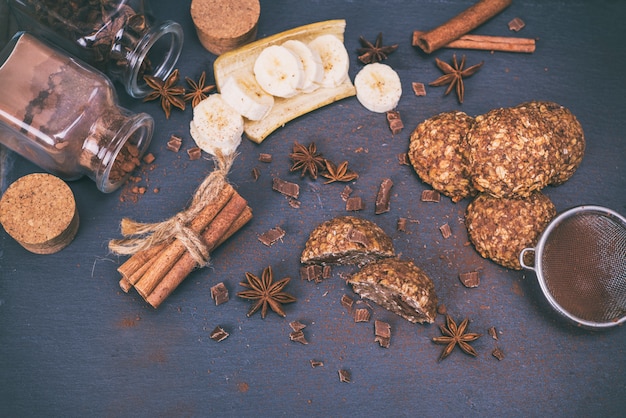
398,286
438,153
346,240
568,137
501,228
511,153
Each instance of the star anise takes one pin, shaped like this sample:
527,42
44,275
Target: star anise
167,91
198,91
453,335
338,173
374,52
266,292
306,159
454,74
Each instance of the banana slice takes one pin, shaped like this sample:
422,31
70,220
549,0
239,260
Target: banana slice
246,96
240,62
334,57
216,125
378,87
279,71
311,63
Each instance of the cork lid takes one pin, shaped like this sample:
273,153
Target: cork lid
39,212
225,25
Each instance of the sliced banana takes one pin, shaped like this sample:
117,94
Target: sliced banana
216,125
246,96
334,57
279,71
378,87
241,61
311,63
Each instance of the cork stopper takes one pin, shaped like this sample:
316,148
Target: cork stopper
222,26
39,212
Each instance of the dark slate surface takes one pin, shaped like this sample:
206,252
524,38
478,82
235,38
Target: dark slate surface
73,344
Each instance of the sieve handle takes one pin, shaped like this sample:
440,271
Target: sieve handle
521,258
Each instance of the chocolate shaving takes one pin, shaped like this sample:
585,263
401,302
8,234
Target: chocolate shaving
298,336
394,121
256,173
347,302
219,293
316,363
194,153
311,273
354,204
346,192
294,203
265,158
174,143
344,376
297,325
218,334
418,88
286,188
516,24
431,196
470,279
382,333
383,199
361,315
356,236
497,353
403,158
445,231
326,272
270,237
401,226
494,334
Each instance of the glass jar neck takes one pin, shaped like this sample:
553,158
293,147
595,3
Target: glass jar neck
114,147
143,49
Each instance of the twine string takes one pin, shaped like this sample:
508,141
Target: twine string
139,236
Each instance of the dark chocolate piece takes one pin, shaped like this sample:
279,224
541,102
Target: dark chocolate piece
347,302
344,376
286,188
298,336
218,334
446,232
311,272
174,143
394,121
265,158
418,88
270,237
361,315
354,204
383,199
431,196
470,279
194,153
219,293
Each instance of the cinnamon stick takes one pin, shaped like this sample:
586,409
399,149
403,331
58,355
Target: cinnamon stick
215,229
486,43
185,264
133,268
157,266
461,24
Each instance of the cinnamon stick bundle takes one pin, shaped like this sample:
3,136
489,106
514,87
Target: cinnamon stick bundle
461,24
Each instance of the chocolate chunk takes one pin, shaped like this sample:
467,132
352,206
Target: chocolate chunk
347,302
270,237
298,336
354,204
354,235
311,273
430,196
344,376
383,199
394,121
497,353
345,194
382,332
219,334
418,88
316,363
265,158
286,188
149,158
326,271
470,279
403,158
445,231
297,325
361,315
516,24
294,203
174,143
194,153
219,293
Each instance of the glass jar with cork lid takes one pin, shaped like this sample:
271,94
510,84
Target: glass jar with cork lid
63,115
119,37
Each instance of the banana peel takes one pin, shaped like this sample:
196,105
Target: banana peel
241,61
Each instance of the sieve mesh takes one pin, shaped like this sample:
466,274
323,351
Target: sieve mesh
584,266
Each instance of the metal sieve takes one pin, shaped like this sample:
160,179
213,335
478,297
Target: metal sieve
580,263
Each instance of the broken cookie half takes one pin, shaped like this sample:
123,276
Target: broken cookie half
398,286
346,240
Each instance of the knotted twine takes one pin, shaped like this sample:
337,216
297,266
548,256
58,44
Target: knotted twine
141,236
